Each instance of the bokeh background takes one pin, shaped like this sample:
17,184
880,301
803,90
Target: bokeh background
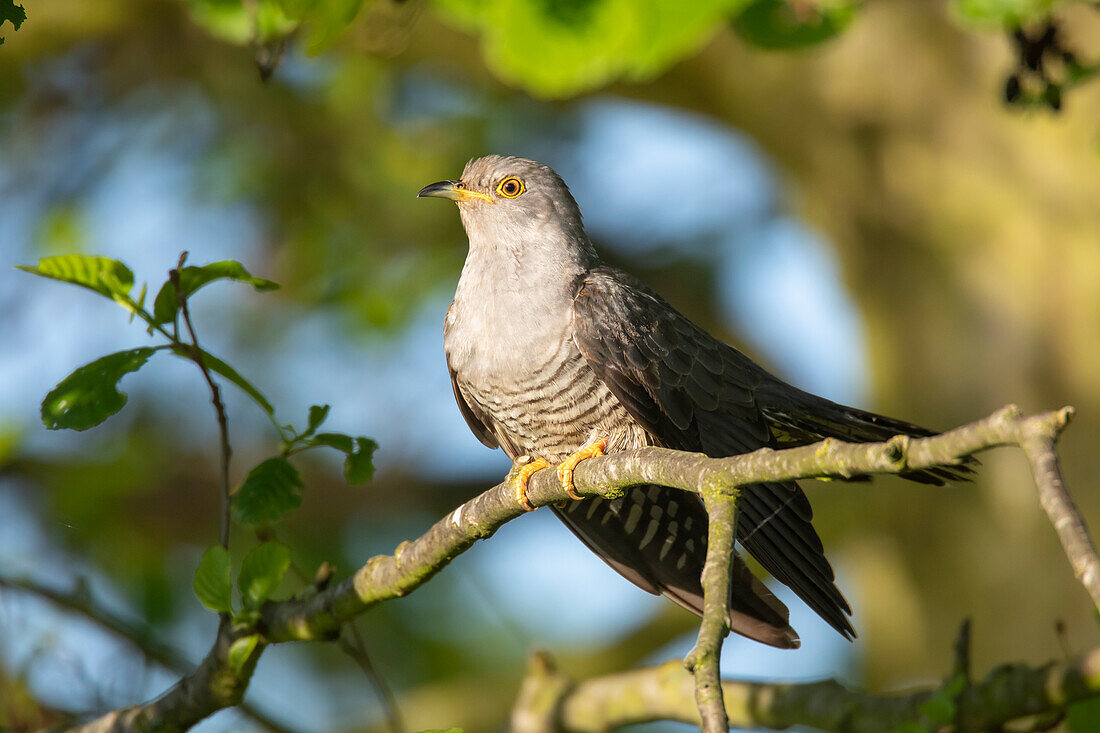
858,209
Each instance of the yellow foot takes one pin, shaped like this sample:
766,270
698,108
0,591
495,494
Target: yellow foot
565,470
521,474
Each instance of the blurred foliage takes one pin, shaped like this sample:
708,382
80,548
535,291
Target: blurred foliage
966,232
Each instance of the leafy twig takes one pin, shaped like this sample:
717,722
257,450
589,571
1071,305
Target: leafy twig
215,397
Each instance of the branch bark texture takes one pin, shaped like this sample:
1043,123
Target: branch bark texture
321,615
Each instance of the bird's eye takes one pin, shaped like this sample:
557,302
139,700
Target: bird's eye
510,187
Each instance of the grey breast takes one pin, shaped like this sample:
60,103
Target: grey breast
547,402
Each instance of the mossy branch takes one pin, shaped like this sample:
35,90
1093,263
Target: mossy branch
550,701
217,684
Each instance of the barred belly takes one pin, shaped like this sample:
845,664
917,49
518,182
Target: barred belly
555,408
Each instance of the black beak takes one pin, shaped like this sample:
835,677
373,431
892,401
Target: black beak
442,190
453,190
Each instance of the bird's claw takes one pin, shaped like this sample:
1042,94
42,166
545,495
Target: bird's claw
565,470
520,475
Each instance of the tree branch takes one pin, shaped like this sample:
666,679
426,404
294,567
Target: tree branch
550,701
215,684
78,601
704,658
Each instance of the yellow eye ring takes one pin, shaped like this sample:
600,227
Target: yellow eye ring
511,187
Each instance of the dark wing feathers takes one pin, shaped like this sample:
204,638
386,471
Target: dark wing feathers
799,418
652,537
694,393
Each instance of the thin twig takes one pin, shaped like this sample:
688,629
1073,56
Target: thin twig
215,397
140,636
357,650
704,658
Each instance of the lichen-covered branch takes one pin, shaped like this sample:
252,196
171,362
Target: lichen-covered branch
666,692
320,616
704,658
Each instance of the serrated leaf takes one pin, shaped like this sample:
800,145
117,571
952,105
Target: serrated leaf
262,571
218,366
212,584
317,415
777,24
90,394
240,650
271,489
359,465
339,441
193,278
105,276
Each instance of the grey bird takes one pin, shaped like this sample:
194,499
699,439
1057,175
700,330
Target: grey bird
555,356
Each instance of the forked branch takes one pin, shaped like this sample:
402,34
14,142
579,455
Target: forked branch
215,684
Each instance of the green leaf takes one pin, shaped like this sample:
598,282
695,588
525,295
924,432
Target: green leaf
240,650
90,395
212,584
271,489
219,367
192,278
12,13
339,441
557,49
105,276
359,465
777,24
262,571
241,23
1004,13
317,415
326,20
441,730
940,709
1083,717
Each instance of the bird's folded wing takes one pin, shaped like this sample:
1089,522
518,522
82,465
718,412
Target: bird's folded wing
693,392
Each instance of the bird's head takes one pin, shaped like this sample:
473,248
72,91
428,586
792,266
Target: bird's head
509,199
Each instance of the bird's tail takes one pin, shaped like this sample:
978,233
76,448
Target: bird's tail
656,537
800,418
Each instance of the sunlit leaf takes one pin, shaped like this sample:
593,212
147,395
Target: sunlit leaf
240,650
212,584
262,571
271,489
239,22
778,24
1004,12
359,465
325,20
102,274
90,395
555,49
218,366
192,278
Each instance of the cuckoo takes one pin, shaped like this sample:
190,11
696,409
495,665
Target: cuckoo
555,357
